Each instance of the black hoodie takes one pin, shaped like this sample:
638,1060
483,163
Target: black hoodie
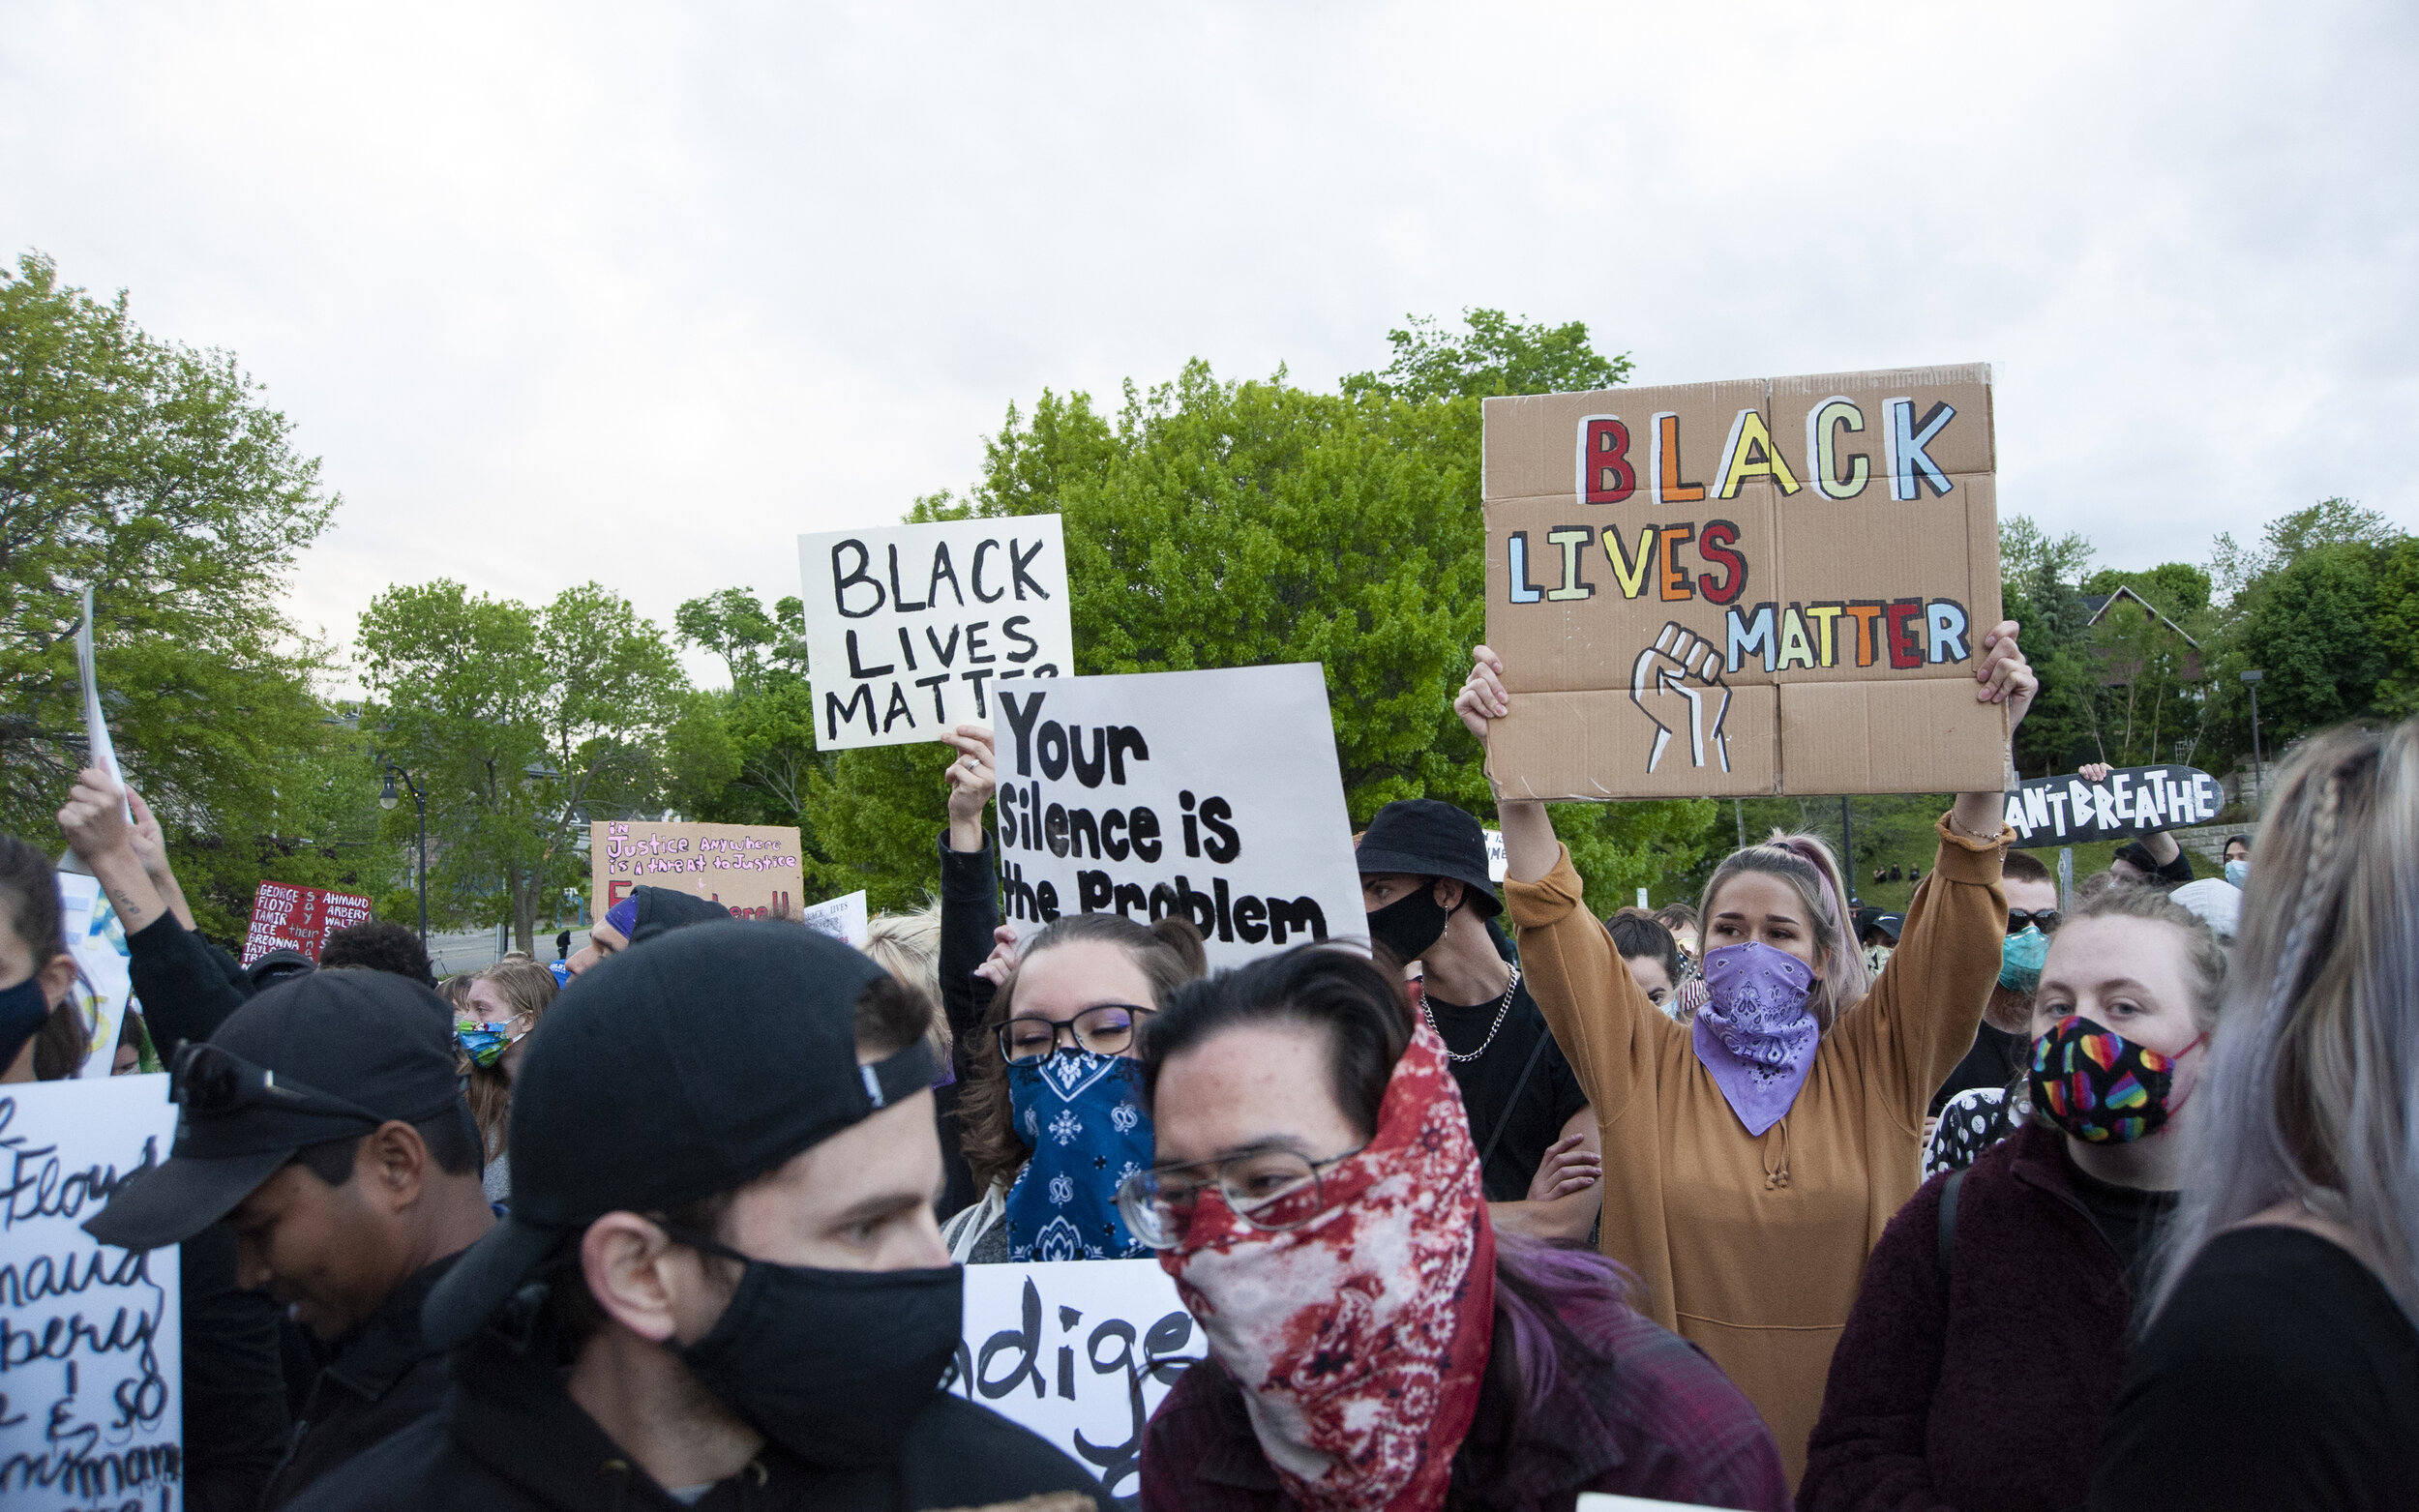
510,1438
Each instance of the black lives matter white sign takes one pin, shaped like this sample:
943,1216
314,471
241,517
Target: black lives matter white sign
1211,795
913,630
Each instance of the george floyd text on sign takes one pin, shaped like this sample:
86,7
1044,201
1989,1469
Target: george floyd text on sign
91,1373
285,916
1211,794
753,870
1079,1352
2068,811
913,630
1762,586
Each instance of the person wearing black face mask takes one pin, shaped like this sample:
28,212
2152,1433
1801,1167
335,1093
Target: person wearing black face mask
1423,878
721,1285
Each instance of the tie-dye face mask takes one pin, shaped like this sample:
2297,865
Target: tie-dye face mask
2101,1087
484,1043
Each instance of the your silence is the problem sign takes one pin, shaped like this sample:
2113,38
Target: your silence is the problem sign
1769,585
1215,796
911,629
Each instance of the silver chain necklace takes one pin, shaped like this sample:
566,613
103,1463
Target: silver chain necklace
1500,1014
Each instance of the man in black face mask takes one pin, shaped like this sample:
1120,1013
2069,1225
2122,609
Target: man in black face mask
1423,878
721,1285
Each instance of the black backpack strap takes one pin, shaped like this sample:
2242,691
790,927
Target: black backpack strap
1949,1218
1510,1105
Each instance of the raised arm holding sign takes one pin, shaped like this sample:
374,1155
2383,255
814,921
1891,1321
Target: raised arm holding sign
1789,1108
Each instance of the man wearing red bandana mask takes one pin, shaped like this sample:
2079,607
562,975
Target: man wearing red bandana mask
1374,1343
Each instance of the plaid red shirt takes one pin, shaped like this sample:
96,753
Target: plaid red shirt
1653,1419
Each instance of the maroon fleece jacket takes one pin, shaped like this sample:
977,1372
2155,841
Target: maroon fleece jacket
1985,1388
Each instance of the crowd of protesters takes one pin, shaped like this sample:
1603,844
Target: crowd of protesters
2008,1201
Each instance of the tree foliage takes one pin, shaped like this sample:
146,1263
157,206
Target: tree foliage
519,724
154,473
1214,522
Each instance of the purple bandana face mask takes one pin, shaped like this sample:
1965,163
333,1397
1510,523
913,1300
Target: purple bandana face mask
1755,1033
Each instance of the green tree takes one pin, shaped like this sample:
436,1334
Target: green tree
154,473
1222,524
519,725
2324,604
2040,577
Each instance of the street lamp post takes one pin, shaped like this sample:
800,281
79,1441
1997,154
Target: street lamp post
387,799
2259,762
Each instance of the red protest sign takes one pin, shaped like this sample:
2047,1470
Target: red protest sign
287,917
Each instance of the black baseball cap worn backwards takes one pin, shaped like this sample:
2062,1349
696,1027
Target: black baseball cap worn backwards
326,1056
1427,836
675,1070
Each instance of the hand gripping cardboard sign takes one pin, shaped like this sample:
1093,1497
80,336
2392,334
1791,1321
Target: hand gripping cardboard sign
1771,585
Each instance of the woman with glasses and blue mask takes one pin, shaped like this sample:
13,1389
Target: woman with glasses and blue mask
1373,1342
1052,1109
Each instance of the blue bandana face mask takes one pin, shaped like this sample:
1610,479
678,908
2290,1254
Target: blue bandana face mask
2020,957
1082,1116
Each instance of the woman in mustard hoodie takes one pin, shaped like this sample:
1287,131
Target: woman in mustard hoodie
1753,1157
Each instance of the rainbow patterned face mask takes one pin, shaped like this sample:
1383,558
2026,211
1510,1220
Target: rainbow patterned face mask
484,1043
2101,1087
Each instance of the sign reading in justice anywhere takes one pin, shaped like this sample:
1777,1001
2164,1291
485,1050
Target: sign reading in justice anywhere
2068,811
1080,1351
1211,795
750,868
288,917
912,629
1762,586
91,1375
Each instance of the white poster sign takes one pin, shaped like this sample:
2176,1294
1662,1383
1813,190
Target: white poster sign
1080,1351
912,629
1213,794
91,1408
97,939
841,918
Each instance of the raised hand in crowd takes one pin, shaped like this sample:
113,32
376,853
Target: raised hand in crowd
95,822
972,780
2155,857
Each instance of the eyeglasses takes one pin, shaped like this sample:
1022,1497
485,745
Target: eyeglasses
1102,1029
1271,1189
2043,919
212,1081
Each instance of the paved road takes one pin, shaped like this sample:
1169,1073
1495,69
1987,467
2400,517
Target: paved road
473,950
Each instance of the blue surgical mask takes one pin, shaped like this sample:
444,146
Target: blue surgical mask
2238,873
1082,1116
2021,956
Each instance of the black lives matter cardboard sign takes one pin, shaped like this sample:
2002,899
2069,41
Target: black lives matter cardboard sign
2139,800
911,629
1211,794
1770,586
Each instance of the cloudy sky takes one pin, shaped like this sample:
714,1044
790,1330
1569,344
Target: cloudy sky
640,293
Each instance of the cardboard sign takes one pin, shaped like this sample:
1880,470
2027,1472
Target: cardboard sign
842,918
911,629
1080,1351
1764,586
1213,794
287,917
104,991
751,868
2140,800
92,1369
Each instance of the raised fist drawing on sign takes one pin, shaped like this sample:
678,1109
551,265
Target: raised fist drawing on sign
1659,685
